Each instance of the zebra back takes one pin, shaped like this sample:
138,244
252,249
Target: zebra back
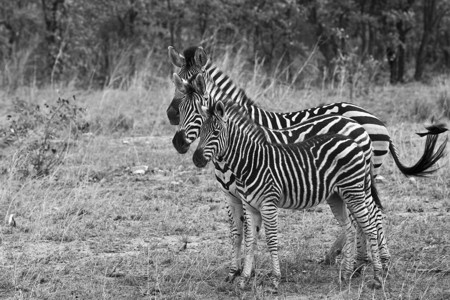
220,86
305,172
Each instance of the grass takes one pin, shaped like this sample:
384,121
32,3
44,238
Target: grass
94,230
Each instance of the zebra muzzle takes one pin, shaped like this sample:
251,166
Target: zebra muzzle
174,115
179,142
199,159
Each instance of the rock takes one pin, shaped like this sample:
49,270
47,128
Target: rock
139,170
11,221
380,179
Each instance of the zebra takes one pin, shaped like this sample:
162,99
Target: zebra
296,176
193,93
195,60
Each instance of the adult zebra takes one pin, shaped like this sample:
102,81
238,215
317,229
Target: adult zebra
194,92
293,176
195,60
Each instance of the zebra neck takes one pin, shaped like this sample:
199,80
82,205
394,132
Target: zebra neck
222,88
241,149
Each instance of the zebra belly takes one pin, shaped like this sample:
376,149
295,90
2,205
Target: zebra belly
226,178
301,198
301,202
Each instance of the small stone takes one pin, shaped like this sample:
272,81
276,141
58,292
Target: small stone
11,221
139,170
380,179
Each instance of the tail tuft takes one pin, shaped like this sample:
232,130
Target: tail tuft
434,129
429,157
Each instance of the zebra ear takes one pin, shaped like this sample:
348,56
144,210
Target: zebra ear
200,84
202,110
219,110
175,57
200,57
179,84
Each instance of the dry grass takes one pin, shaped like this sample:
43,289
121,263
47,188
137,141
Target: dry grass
94,230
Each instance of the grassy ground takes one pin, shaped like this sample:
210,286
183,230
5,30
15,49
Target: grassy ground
95,230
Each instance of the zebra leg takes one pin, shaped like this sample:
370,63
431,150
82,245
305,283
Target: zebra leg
251,219
269,214
362,259
340,212
357,206
338,245
377,216
235,219
382,244
335,250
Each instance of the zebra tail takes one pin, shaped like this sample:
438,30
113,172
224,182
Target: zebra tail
422,167
437,128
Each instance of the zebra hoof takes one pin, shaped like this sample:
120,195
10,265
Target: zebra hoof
345,278
232,275
375,284
359,267
386,263
243,283
271,290
330,258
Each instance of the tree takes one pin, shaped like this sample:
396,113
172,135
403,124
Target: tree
54,12
433,12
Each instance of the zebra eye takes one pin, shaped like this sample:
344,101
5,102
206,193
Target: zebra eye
216,132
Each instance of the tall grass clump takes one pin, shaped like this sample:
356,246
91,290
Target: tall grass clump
354,75
37,138
443,103
275,89
422,110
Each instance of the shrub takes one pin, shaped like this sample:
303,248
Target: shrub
120,123
37,138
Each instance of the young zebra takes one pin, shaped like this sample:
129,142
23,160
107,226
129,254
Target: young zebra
193,93
293,176
219,85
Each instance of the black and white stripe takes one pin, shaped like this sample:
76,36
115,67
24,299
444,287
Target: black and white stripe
303,124
293,176
219,86
327,123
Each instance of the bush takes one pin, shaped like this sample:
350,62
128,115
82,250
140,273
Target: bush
37,138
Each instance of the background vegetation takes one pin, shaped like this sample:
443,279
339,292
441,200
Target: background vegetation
108,43
98,205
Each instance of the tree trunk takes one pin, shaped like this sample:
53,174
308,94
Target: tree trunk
429,22
401,51
392,58
54,36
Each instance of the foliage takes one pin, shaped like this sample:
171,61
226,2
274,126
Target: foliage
106,43
38,138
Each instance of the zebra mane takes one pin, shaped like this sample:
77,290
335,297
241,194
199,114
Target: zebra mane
240,117
189,56
190,86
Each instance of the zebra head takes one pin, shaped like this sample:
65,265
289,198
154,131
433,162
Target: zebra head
191,115
213,136
191,63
